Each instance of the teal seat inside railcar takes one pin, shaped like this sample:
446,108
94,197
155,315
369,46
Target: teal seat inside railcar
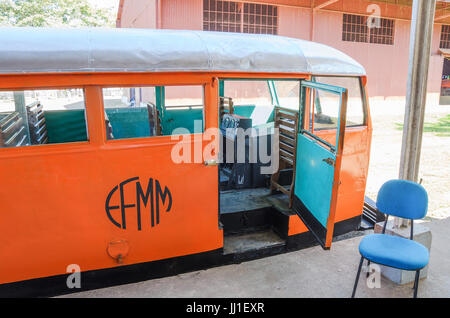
70,125
260,115
130,122
185,117
65,125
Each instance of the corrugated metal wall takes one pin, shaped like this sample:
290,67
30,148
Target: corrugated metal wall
182,14
139,14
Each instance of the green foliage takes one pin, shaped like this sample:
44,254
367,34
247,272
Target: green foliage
440,128
52,13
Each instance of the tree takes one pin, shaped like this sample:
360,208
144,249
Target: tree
52,13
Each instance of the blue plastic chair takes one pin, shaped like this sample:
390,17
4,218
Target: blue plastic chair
407,200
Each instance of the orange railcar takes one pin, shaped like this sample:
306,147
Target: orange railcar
86,154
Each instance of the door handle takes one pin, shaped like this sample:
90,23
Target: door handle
329,161
210,162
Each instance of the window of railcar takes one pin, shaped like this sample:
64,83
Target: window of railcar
288,93
328,106
256,99
326,110
38,117
135,112
251,99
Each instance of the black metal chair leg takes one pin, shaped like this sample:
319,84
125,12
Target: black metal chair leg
416,283
357,276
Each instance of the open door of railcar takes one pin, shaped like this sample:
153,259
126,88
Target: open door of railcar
318,161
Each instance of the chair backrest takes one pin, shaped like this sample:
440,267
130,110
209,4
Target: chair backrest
36,123
154,120
402,198
13,132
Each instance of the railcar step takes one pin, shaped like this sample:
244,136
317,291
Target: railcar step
365,225
280,202
243,200
251,242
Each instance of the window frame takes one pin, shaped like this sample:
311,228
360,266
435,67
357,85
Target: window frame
386,39
161,85
243,17
445,37
364,103
70,146
368,35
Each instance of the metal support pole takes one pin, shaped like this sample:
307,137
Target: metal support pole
419,58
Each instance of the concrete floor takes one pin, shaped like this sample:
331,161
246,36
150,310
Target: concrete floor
311,272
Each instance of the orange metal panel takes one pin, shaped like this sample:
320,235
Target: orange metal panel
55,202
57,195
353,176
58,216
47,81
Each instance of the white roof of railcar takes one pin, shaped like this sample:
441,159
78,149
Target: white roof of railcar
46,50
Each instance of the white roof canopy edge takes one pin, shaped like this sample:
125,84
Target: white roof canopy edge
46,50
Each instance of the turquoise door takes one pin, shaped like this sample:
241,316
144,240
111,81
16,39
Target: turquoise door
323,107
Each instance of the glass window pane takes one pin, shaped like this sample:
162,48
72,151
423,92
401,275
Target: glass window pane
251,99
36,117
288,93
136,112
326,110
355,106
187,96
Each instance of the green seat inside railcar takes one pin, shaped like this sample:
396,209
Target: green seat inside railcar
260,115
65,125
185,117
130,122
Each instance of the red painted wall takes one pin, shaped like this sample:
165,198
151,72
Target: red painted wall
386,65
182,14
139,14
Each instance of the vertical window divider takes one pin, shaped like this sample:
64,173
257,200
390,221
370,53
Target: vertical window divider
95,115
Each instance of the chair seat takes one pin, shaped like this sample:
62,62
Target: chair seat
394,251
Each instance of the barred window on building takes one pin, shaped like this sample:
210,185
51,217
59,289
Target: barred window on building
445,37
229,16
260,19
355,28
383,33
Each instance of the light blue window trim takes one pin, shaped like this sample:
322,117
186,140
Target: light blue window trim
328,88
